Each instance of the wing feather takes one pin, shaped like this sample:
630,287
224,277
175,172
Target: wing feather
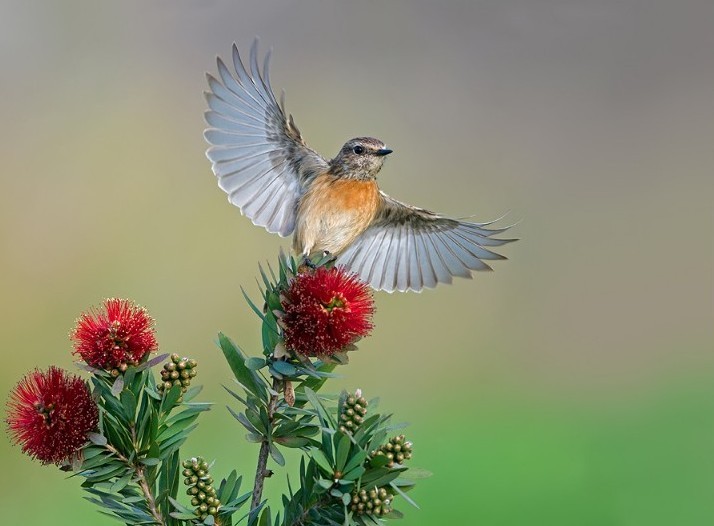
257,153
409,248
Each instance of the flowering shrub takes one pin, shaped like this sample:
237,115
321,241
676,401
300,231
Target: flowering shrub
122,431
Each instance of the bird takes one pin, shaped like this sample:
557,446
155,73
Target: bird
332,206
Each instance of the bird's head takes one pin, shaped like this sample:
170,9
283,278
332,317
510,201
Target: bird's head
360,158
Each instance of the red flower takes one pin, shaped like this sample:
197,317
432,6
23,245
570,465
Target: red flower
325,310
122,334
50,414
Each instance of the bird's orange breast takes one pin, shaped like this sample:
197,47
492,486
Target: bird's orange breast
333,212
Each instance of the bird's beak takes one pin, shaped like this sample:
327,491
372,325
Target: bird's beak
383,151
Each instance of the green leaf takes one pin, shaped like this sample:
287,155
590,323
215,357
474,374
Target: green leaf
128,401
244,421
416,474
96,461
342,450
325,417
182,516
121,483
277,455
327,484
292,441
154,361
191,411
404,495
152,393
252,305
118,385
173,430
265,518
96,438
170,399
255,363
149,461
357,459
380,477
319,456
284,368
378,461
354,473
107,472
191,393
236,360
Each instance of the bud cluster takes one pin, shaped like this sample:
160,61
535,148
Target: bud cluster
377,501
201,490
178,371
397,450
353,412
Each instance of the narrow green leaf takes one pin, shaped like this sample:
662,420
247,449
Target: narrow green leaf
284,368
154,361
118,385
342,450
325,417
319,456
170,398
121,483
96,438
244,421
354,473
327,484
404,495
416,474
94,462
128,402
378,461
277,455
357,459
252,305
191,393
292,441
236,360
255,363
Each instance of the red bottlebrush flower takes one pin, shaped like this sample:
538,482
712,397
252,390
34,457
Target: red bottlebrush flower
325,310
122,334
50,414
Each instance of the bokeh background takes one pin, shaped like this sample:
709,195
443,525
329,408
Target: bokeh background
572,386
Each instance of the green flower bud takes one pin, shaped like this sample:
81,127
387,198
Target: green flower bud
352,412
397,450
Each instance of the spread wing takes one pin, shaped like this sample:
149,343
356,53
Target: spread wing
258,154
409,248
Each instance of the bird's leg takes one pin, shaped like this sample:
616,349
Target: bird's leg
308,262
326,257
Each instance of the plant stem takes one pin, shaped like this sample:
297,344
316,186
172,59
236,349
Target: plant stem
143,484
261,471
148,495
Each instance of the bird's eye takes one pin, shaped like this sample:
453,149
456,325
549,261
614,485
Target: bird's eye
359,150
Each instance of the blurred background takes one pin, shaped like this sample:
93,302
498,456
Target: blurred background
573,385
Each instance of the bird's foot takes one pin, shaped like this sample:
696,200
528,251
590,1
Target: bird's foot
308,262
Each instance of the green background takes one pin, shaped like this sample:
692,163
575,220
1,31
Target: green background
573,386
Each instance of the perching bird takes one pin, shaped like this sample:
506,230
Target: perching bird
331,206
